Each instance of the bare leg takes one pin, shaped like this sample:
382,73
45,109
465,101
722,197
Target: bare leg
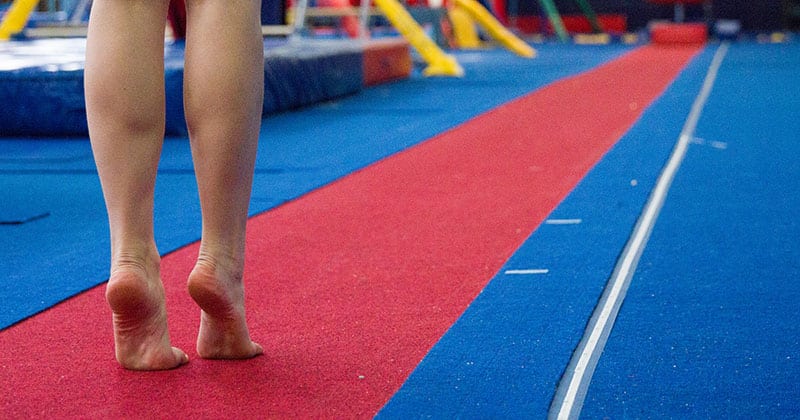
125,109
223,88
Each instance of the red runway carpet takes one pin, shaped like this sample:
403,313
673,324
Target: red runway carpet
350,285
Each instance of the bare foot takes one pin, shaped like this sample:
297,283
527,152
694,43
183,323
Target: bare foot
141,337
223,328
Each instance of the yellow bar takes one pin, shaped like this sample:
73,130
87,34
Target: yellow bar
495,28
16,18
463,29
439,63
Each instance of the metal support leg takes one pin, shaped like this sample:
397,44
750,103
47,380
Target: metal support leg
299,20
363,20
680,13
79,12
587,10
555,19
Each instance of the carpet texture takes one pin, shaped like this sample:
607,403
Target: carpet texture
349,286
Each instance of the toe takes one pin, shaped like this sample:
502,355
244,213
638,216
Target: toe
257,349
180,356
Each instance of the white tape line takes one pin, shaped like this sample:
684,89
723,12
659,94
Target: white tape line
573,385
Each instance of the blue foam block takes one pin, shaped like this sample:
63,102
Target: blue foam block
41,87
41,82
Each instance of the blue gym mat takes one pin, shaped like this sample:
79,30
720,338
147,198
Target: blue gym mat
710,326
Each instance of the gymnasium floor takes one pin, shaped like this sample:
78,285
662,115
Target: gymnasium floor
436,248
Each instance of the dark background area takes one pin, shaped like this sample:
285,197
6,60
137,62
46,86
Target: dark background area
753,14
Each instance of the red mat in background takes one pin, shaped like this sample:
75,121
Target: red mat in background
350,285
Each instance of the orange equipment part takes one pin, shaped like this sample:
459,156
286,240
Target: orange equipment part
679,33
349,22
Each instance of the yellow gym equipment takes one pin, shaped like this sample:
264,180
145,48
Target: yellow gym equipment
439,63
464,33
494,28
16,18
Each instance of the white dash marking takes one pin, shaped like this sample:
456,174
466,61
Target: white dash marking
528,271
563,221
721,145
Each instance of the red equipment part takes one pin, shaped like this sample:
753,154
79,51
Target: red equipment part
177,18
678,33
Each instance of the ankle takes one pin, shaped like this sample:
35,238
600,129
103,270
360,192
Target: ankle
221,263
142,262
